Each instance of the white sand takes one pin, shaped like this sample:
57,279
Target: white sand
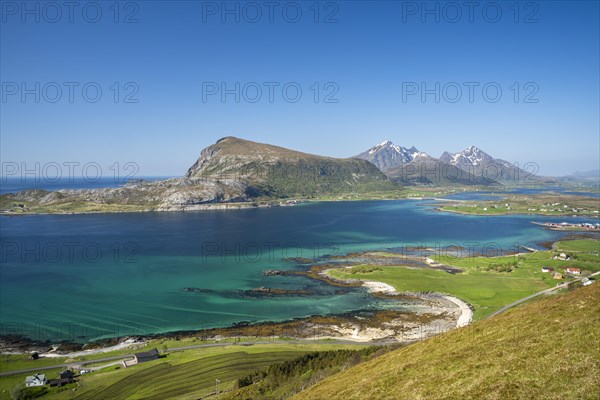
465,317
466,314
378,287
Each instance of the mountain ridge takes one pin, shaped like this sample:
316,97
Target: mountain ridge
278,171
413,167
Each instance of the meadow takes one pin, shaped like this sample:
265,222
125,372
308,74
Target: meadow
487,283
178,374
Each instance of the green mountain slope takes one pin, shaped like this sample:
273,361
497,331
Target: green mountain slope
275,171
548,349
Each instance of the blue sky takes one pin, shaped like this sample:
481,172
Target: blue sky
369,53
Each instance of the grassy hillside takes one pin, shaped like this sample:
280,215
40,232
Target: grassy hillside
278,172
547,349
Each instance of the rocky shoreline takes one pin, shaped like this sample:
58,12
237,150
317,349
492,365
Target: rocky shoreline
430,314
417,315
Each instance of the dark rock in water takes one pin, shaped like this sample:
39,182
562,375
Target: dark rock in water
299,260
196,290
273,272
264,291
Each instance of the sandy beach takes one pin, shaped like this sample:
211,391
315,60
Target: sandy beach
466,315
436,313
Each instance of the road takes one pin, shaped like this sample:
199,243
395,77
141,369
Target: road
545,291
198,346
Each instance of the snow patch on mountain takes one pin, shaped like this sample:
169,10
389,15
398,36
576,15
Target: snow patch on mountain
472,156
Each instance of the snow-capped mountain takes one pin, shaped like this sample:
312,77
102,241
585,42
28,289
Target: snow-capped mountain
478,163
388,155
472,156
472,166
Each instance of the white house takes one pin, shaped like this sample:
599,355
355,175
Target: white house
36,380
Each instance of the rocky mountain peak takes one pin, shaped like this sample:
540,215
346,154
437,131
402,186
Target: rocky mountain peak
388,155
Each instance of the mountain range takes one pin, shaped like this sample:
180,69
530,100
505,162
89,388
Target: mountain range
471,166
234,170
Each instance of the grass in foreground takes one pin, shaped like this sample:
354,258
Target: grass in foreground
547,349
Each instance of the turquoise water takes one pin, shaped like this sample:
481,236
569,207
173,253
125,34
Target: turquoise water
84,277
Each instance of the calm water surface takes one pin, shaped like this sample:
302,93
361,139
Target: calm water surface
83,277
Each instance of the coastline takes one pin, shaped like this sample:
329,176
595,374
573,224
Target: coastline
440,209
466,314
426,315
212,206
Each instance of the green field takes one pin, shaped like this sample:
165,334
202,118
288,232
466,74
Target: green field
582,245
539,204
183,374
487,283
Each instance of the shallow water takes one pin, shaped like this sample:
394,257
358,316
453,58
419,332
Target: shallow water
84,277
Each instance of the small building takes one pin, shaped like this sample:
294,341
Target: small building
60,382
67,374
35,380
557,276
586,282
34,356
146,356
142,357
562,257
64,378
547,269
573,271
